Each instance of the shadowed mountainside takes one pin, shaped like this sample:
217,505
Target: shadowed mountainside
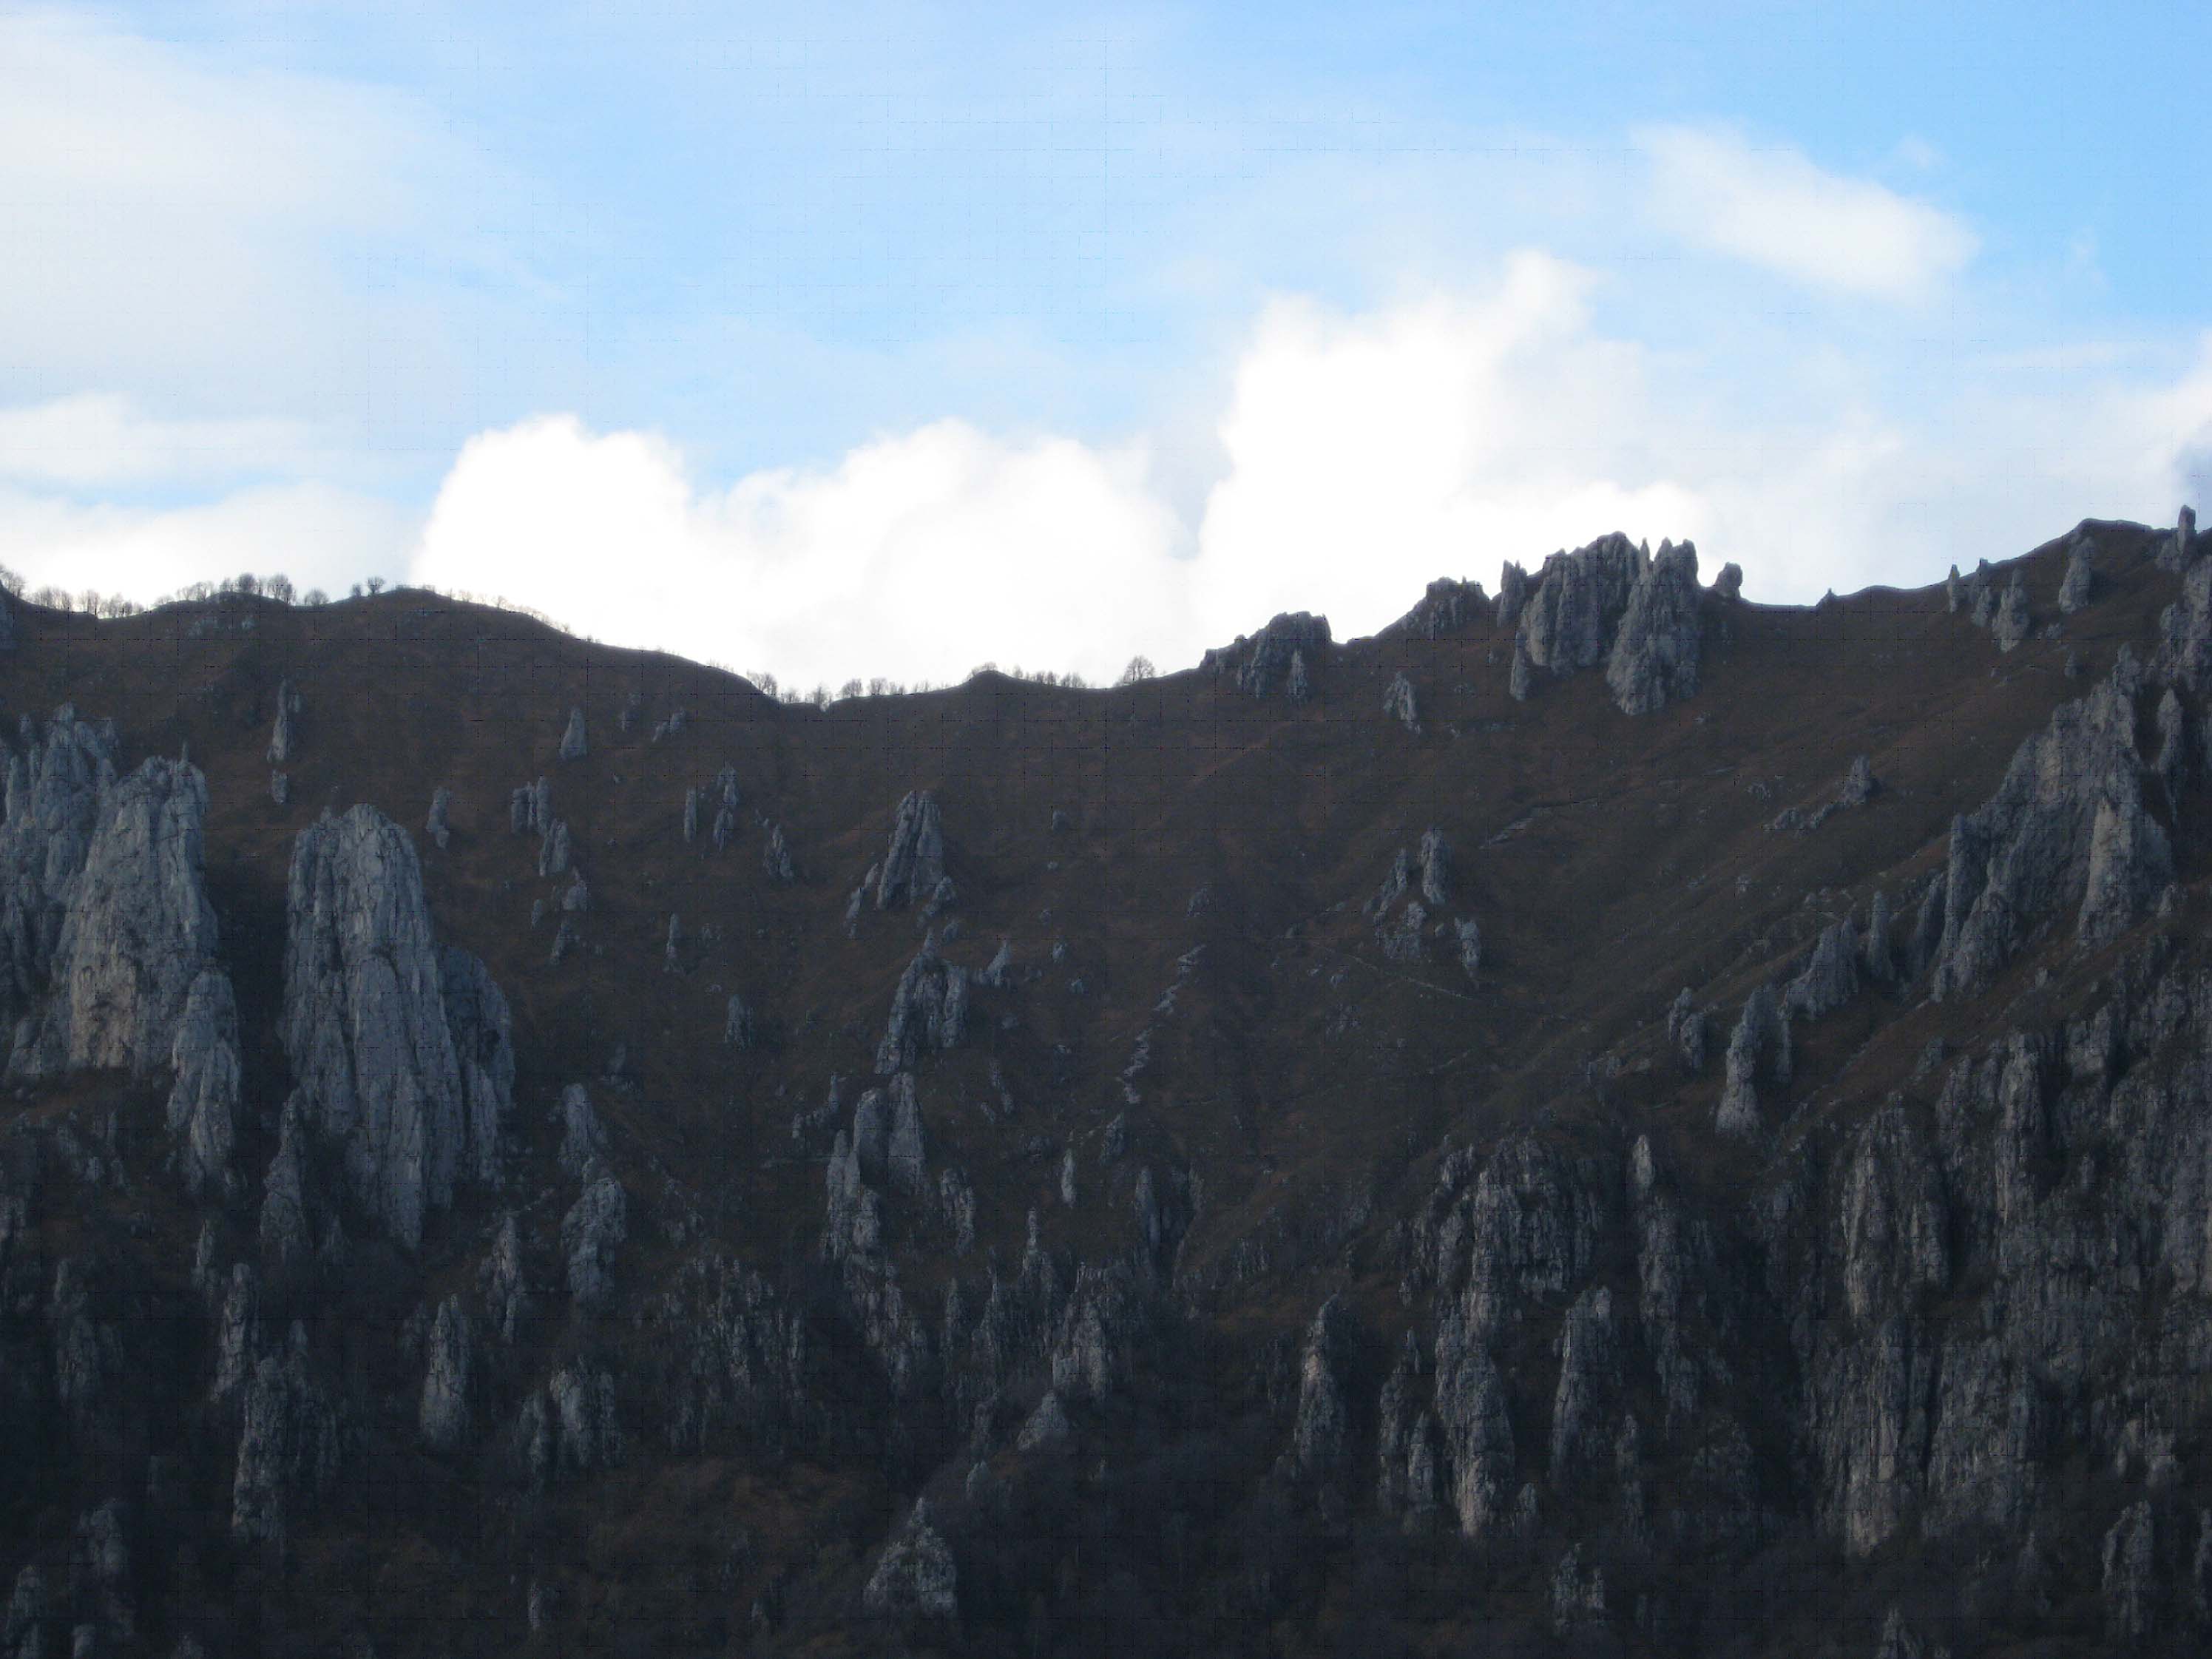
1603,1119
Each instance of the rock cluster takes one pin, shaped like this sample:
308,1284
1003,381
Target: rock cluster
1398,703
1282,655
915,862
573,746
283,738
369,1020
1612,603
2067,827
1654,660
929,1010
1448,607
1759,1052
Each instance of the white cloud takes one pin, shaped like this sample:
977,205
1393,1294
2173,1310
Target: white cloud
1773,208
317,535
97,439
918,555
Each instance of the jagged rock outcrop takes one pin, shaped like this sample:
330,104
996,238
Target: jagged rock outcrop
1045,1427
1469,937
1578,600
1830,977
136,932
283,738
583,1141
368,1028
1265,661
1512,594
1688,1030
776,856
915,1576
55,784
905,1151
1321,1432
727,801
739,1029
1405,1438
690,814
501,1279
915,862
573,746
595,1227
202,1115
2067,827
286,1228
2177,551
553,851
1759,1053
1589,1379
2013,620
1434,859
2076,587
1447,608
1398,703
444,1414
1654,660
1729,585
437,826
289,1446
929,1010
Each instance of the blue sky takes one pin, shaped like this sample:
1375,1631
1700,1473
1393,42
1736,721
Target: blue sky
887,339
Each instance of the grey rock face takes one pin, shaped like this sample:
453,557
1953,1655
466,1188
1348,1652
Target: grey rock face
1322,1430
136,931
915,1576
2079,583
1476,1427
573,746
286,1226
1262,663
1447,608
1402,941
284,738
906,1151
553,850
483,1033
437,825
2131,1587
1589,1379
203,1109
2066,827
501,1279
737,1028
1405,1438
1729,585
1435,861
1512,594
596,1226
1398,703
776,856
1578,602
915,862
443,1415
1830,977
2178,552
583,1141
691,816
1469,937
280,788
2184,653
288,1447
1859,784
367,1029
1654,660
2013,618
1689,1031
929,1010
726,806
55,788
1298,685
1044,1427
1577,1592
1521,680
1757,1052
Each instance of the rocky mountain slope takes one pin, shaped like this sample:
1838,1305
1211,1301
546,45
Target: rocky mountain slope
1606,1118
